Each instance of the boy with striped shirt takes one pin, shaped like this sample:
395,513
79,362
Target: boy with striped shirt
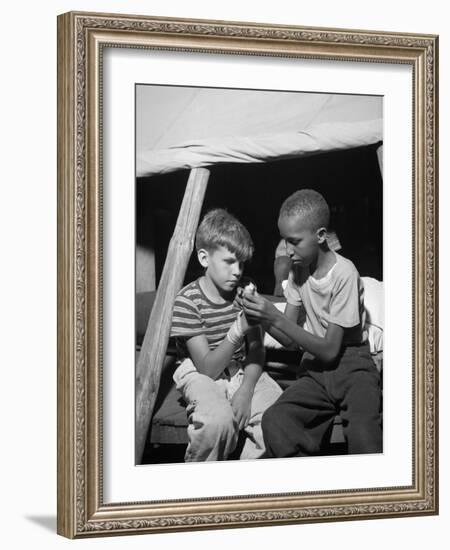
221,373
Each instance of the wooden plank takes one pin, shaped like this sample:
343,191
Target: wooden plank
151,358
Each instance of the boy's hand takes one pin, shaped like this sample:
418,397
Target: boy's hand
240,403
258,308
239,298
248,290
243,323
238,329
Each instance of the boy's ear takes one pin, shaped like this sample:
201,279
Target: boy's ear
202,256
321,235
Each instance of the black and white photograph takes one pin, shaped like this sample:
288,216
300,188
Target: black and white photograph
247,292
177,178
259,257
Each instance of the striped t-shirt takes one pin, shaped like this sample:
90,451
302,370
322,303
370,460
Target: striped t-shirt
195,314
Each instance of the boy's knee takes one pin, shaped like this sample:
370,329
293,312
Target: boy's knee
282,438
185,369
363,400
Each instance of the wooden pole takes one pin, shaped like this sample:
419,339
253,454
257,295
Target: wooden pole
154,346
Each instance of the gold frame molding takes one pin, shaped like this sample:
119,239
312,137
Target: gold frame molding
81,37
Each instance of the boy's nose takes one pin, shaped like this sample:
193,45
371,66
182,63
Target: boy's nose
289,250
237,270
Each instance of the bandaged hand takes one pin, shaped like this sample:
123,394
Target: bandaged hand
238,329
249,288
259,309
242,292
241,326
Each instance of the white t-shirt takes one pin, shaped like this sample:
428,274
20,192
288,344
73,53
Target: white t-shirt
337,298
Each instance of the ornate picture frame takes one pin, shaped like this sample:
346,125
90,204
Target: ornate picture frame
82,508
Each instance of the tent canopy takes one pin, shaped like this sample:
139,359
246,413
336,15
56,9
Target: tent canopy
184,128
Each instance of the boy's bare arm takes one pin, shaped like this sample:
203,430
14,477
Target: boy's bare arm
255,357
207,361
326,348
253,367
242,399
292,313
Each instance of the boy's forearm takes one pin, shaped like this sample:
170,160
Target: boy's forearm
255,359
281,337
316,345
252,373
217,360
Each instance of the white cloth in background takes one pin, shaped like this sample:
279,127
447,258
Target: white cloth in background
374,304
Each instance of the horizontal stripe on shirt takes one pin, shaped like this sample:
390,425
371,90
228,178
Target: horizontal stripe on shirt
195,314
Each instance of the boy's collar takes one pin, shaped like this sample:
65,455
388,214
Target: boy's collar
325,262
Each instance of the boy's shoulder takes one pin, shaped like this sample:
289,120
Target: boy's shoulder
344,266
342,270
191,289
190,293
191,300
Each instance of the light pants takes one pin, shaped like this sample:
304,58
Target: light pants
212,429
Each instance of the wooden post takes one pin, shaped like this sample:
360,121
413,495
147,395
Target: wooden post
154,346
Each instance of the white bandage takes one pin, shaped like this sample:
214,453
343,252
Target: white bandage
250,288
235,334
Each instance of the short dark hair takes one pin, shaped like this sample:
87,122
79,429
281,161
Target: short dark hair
220,228
308,204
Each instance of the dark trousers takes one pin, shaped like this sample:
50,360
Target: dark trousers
300,420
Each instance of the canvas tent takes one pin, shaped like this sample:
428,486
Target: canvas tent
192,129
208,126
